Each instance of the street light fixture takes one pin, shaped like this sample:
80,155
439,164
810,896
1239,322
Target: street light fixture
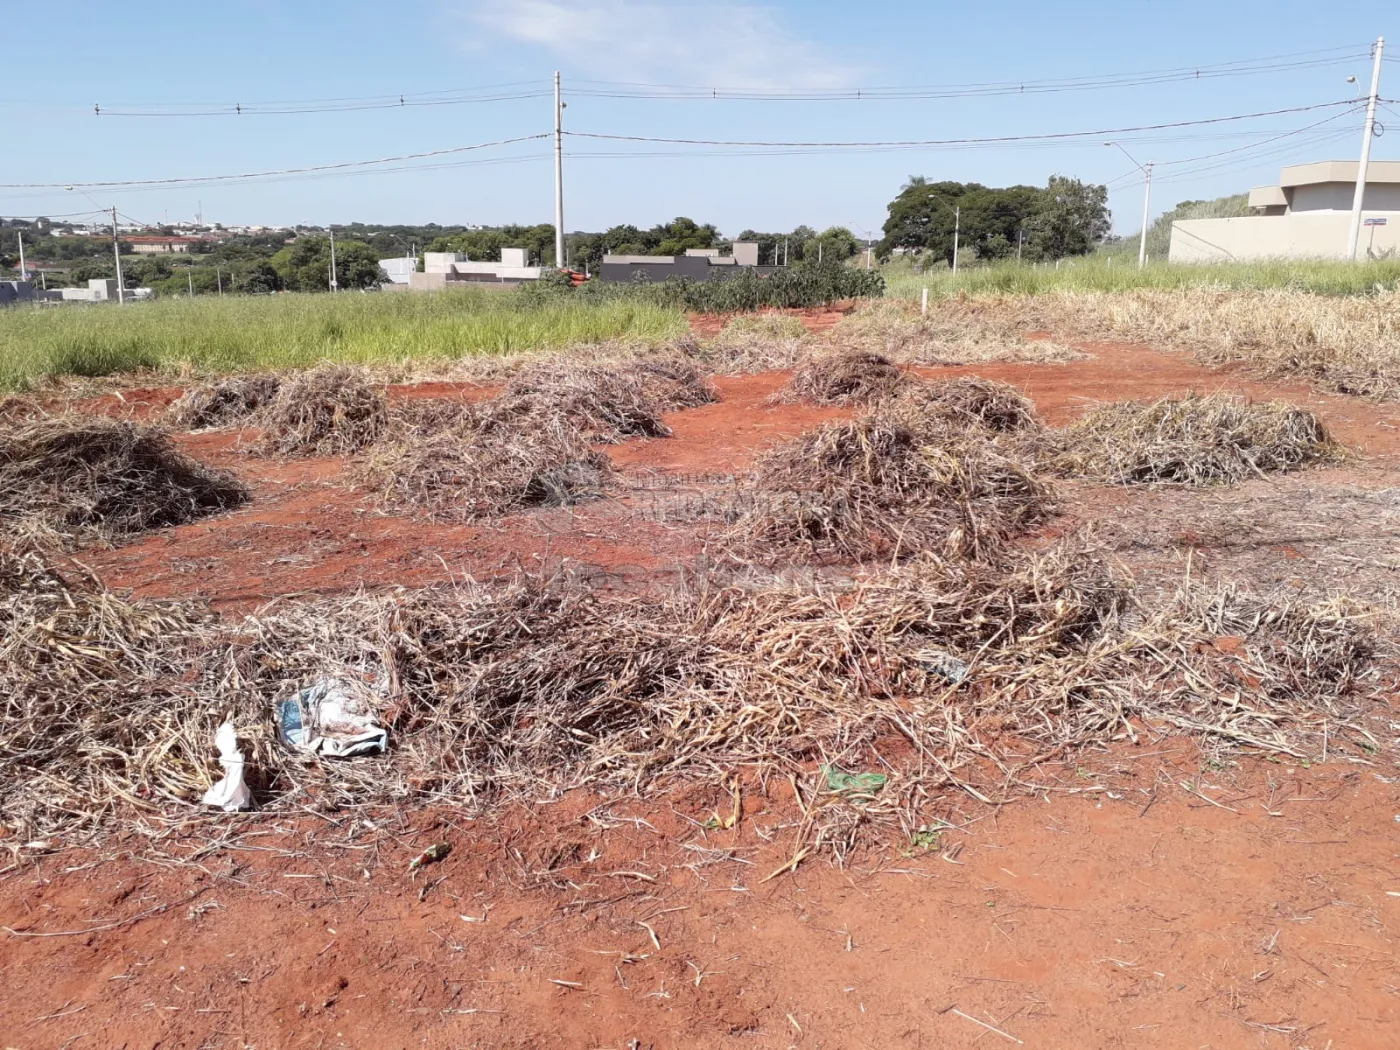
1146,170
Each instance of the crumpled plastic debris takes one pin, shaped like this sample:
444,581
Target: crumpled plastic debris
945,665
231,793
331,719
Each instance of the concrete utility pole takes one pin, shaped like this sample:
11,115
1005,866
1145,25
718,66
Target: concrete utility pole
117,251
1146,170
20,235
559,258
957,233
1354,232
189,276
334,283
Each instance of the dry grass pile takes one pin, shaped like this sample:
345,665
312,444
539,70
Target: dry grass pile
757,343
86,479
327,411
531,686
460,463
967,402
953,332
1349,344
17,408
607,402
224,401
1193,440
878,488
848,377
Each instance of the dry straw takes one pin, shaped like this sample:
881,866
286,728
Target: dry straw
848,377
879,488
757,343
326,411
953,332
224,401
607,402
110,705
453,462
967,402
84,479
1192,440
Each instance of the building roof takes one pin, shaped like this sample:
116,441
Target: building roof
1378,171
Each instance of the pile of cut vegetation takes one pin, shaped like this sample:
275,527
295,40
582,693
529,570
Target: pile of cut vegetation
83,479
326,411
16,408
954,332
1193,440
456,462
606,401
966,402
877,487
847,377
224,401
757,343
534,685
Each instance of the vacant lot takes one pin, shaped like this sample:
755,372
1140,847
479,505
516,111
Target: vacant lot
877,686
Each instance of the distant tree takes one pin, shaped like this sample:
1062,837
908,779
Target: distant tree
1067,217
1073,218
682,234
836,244
261,277
305,266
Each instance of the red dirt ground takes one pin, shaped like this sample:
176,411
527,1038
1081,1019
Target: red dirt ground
1142,900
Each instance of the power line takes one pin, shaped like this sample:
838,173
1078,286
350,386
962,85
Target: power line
679,92
195,180
990,140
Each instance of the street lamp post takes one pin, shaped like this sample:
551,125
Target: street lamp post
1146,170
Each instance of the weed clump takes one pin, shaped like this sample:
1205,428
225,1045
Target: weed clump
103,479
1193,440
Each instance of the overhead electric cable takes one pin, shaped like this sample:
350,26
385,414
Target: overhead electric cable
349,164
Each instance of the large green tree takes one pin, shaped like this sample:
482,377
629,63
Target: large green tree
1066,217
305,266
1073,219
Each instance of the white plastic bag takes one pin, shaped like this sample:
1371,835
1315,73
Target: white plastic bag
329,719
230,793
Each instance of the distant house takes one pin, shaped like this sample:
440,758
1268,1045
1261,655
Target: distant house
697,264
453,269
1307,215
159,245
398,270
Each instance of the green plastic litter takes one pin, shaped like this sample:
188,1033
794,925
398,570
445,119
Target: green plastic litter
841,782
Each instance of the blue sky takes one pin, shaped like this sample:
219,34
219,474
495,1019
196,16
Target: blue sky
164,57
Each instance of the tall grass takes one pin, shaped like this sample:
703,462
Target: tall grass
1103,274
286,331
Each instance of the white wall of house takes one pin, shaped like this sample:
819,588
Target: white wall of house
1297,235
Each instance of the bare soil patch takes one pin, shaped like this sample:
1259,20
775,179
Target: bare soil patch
1147,894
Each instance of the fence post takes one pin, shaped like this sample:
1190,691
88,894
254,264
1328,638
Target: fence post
923,306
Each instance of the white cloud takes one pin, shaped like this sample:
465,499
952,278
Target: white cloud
721,43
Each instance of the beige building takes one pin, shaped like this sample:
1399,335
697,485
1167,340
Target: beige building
454,270
1307,215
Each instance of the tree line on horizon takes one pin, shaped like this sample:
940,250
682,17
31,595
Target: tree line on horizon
1064,218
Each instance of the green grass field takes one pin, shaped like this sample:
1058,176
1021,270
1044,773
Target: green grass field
211,335
1096,273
